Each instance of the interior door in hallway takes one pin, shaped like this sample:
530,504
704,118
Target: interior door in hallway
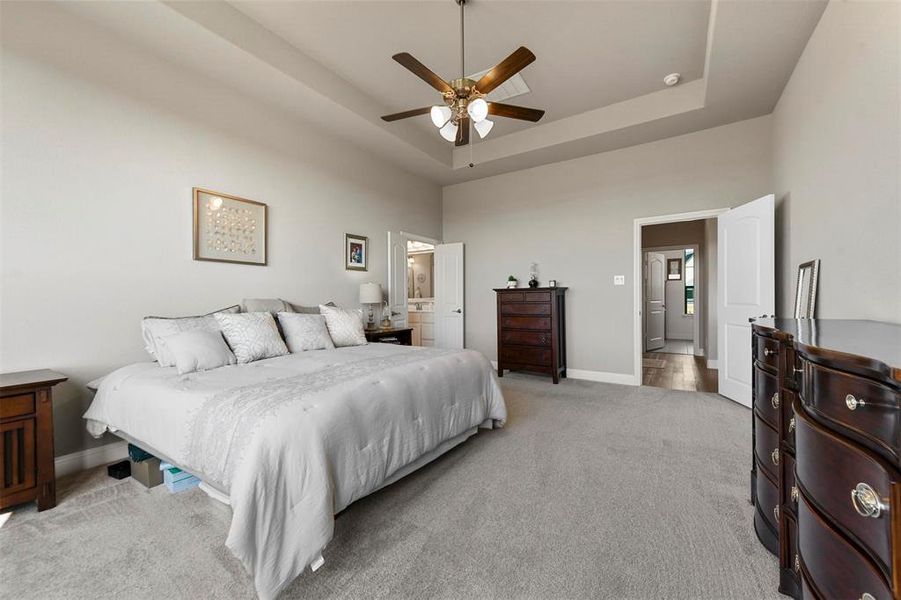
747,289
655,300
449,314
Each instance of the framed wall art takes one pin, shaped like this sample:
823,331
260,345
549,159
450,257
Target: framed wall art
673,268
356,252
228,228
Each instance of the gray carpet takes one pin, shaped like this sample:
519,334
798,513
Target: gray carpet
591,491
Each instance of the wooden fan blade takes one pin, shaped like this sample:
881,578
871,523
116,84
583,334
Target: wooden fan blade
407,113
514,112
463,132
423,72
506,69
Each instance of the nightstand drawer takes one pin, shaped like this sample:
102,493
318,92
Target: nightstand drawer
16,406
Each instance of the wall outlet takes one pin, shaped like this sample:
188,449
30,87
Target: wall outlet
619,280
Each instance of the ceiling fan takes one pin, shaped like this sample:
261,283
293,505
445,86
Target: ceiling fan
464,99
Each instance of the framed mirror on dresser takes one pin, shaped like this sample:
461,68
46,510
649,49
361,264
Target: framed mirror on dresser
826,455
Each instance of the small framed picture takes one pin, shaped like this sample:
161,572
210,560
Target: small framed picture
674,268
356,252
552,283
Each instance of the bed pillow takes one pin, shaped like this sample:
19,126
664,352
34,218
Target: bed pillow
155,329
345,325
252,336
305,332
269,305
199,350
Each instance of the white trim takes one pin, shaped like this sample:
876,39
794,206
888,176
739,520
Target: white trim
90,458
420,238
700,307
636,271
602,376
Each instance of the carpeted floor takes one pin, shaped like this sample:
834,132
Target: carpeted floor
591,491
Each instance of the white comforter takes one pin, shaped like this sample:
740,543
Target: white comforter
295,439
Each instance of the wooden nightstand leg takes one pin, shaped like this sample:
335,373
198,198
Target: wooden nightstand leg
47,497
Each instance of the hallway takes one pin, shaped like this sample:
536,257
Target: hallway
678,372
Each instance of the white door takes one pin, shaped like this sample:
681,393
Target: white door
397,278
655,300
449,313
746,289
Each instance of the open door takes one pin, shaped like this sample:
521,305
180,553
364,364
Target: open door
655,298
449,313
747,289
397,278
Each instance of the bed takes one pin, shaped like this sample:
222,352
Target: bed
289,442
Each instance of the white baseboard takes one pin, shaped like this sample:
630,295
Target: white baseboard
92,457
602,376
712,364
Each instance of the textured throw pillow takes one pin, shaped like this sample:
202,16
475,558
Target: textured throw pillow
345,325
252,336
305,332
155,329
199,350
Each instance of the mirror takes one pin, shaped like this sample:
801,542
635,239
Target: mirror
420,269
806,290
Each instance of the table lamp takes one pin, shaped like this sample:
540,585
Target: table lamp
370,295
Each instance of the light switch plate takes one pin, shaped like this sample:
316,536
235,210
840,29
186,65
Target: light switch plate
619,280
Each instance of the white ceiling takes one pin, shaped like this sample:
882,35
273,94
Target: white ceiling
598,72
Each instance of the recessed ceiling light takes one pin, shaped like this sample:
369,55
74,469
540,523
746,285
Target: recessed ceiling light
672,79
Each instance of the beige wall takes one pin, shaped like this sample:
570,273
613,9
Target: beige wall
98,165
575,219
837,164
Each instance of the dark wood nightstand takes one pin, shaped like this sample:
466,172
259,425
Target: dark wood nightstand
26,451
391,335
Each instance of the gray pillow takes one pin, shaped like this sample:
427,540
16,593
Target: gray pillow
155,329
308,310
199,350
305,332
269,305
252,336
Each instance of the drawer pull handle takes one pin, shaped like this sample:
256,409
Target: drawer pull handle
795,494
768,352
797,370
776,513
791,424
774,456
797,563
866,596
852,403
866,501
775,400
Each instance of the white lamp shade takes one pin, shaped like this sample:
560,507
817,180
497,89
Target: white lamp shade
478,110
440,115
370,293
449,131
483,127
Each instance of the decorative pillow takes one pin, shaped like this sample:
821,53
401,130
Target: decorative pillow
305,332
269,305
155,329
252,336
199,350
345,325
305,310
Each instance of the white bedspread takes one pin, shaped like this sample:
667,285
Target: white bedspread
295,439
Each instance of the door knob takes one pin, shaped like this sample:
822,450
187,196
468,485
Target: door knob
459,310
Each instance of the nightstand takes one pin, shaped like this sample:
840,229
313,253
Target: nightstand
26,424
391,335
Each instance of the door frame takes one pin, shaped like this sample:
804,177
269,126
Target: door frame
637,262
404,236
700,289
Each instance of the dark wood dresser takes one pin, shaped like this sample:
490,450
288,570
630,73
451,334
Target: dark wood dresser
26,444
531,330
826,465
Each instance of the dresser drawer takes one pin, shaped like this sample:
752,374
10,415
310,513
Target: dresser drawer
511,297
543,323
526,338
867,409
790,545
766,396
766,447
768,352
833,472
833,565
526,308
787,401
538,296
790,489
16,406
524,355
768,499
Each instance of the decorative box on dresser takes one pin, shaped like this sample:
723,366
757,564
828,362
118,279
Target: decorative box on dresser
26,443
531,330
826,465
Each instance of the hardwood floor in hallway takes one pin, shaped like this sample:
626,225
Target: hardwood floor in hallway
678,372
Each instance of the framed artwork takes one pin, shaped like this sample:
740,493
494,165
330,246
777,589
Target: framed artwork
673,268
229,229
356,252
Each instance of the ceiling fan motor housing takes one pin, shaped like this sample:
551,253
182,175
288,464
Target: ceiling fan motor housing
464,92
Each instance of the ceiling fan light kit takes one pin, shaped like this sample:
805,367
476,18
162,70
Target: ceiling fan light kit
464,98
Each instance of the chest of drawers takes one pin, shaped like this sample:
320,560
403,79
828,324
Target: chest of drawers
531,331
826,458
